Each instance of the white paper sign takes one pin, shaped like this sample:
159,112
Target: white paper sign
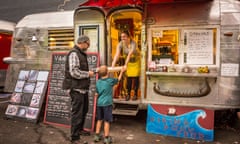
165,60
157,34
229,69
199,46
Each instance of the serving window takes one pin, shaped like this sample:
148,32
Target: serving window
183,46
165,46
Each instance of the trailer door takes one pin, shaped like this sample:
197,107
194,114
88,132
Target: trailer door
91,22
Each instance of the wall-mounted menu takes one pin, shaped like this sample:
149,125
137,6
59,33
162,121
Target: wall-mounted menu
28,96
58,103
199,44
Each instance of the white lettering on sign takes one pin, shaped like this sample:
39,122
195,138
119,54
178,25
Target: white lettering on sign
230,69
59,58
92,59
199,46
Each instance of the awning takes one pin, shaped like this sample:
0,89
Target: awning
114,3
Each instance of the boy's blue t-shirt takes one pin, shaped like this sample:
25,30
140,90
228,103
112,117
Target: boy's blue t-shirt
104,88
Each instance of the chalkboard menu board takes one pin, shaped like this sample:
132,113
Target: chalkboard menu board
29,93
58,103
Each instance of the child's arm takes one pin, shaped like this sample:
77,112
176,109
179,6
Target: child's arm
121,73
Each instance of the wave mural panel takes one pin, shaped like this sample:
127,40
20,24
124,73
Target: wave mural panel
178,121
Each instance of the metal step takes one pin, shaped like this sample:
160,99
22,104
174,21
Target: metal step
125,112
125,109
123,101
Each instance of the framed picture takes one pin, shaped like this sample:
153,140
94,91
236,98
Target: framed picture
16,98
11,110
23,75
39,87
33,75
32,113
21,111
29,87
35,101
42,76
19,86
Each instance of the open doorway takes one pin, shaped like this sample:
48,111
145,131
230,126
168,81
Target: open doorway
130,21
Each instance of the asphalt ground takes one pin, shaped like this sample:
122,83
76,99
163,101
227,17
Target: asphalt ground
124,130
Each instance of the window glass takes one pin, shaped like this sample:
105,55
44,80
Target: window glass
165,46
184,46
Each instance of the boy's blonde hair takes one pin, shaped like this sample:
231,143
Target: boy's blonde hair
103,70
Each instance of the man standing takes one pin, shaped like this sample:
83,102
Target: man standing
77,81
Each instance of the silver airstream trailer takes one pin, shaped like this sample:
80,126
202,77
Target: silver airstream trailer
35,38
189,50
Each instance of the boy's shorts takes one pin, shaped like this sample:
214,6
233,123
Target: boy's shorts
104,113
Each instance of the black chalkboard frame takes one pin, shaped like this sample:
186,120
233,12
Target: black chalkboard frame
55,81
65,122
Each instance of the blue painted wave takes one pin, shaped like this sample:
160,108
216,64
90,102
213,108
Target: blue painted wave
185,125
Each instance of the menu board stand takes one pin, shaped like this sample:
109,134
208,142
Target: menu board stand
58,103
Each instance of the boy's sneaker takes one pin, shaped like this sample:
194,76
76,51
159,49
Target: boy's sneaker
108,140
97,138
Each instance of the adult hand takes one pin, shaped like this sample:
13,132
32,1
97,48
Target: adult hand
91,73
125,67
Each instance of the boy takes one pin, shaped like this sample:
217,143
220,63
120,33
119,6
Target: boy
104,92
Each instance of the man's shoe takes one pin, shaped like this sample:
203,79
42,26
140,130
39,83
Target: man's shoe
79,142
75,141
84,133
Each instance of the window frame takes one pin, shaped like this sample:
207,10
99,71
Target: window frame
216,47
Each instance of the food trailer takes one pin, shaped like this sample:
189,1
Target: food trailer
6,31
189,50
190,53
189,59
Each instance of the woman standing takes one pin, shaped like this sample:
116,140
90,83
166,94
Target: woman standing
127,47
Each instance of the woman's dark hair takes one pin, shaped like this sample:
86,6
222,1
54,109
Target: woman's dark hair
126,32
